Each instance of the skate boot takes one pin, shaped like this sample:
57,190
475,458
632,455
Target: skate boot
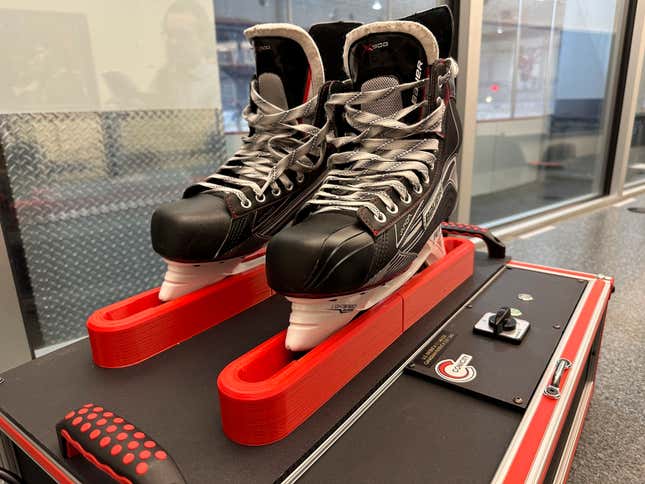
220,221
377,217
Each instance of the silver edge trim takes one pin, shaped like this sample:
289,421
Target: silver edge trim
511,452
556,273
576,429
549,438
351,419
43,451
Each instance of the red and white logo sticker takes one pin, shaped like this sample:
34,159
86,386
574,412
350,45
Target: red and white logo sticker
456,371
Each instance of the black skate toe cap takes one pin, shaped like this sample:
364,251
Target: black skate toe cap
328,253
191,229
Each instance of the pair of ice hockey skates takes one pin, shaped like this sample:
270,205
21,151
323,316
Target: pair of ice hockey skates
347,180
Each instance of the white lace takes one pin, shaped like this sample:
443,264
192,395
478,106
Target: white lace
280,142
383,158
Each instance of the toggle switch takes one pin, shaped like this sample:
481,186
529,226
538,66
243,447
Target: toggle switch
502,325
502,321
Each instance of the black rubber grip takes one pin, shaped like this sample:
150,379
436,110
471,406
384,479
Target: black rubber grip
116,446
495,247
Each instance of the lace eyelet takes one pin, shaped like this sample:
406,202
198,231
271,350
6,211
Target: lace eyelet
276,193
418,189
261,198
300,178
393,210
380,217
407,199
246,203
289,187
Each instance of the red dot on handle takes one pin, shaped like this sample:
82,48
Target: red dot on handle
116,449
144,454
77,420
88,405
85,426
128,427
83,411
133,445
101,421
104,441
97,409
139,435
94,433
70,415
141,468
161,455
91,416
122,436
127,458
118,420
108,414
110,428
149,444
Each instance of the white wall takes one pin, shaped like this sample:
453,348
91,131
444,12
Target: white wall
78,55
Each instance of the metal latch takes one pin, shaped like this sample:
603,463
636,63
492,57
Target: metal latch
553,389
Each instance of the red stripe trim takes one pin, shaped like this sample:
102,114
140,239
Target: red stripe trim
575,447
564,272
307,86
535,433
43,460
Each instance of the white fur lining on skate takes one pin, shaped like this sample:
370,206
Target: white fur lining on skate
415,29
303,39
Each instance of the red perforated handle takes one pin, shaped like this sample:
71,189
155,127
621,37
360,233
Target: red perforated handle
115,446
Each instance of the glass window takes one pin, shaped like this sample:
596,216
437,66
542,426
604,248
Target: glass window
98,129
636,161
546,87
107,110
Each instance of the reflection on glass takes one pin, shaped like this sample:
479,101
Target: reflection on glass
636,162
43,68
545,100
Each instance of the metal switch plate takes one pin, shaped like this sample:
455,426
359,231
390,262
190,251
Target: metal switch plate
514,336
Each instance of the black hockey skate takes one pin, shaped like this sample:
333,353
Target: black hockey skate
377,217
232,213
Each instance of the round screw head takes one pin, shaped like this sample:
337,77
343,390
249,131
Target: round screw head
557,326
412,365
518,400
524,297
2,380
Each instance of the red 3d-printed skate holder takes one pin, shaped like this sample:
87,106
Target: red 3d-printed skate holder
267,393
135,329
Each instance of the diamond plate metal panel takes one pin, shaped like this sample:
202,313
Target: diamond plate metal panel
83,187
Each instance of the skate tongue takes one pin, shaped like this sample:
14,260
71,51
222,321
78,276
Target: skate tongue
288,65
386,54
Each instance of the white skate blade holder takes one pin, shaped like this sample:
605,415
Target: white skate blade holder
313,320
183,277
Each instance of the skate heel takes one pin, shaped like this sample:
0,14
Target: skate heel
268,392
130,331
